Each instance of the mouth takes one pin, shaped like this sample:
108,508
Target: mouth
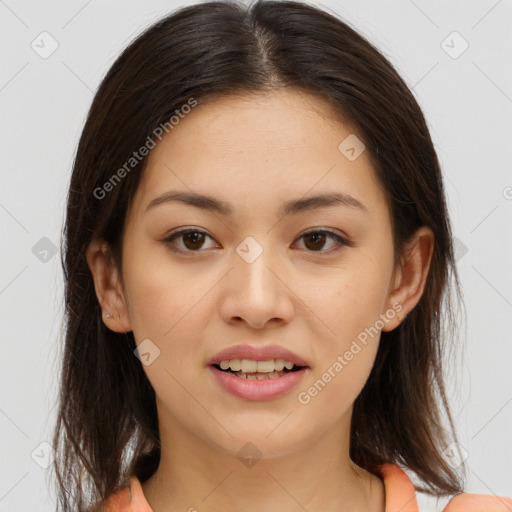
247,380
257,372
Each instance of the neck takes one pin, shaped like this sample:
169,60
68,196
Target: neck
195,475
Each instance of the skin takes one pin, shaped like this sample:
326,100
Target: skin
255,152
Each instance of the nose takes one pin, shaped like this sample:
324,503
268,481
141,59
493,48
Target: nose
256,293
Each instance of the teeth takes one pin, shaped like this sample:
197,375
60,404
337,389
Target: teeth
278,364
266,366
259,376
251,366
224,365
236,364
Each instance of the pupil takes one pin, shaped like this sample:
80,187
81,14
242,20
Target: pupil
196,238
317,237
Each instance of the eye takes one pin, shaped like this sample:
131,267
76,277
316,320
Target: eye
191,239
316,239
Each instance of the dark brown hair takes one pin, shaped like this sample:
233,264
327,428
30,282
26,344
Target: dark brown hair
107,427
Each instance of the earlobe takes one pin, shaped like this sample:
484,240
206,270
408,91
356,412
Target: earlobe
107,286
410,279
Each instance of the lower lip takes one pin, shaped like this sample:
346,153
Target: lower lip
267,389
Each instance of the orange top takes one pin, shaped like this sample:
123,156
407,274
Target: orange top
400,497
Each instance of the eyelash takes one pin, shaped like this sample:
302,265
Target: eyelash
173,236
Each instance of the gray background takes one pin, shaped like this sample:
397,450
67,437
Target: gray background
467,99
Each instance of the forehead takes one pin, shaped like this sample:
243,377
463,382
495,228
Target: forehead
259,145
281,119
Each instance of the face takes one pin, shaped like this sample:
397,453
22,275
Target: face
316,279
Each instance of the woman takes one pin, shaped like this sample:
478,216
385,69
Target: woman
257,261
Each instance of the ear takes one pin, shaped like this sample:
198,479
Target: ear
108,286
410,277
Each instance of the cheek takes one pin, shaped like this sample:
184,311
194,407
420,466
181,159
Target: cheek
333,387
345,303
347,340
166,308
347,336
164,299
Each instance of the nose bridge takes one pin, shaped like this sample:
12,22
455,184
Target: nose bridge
255,293
251,266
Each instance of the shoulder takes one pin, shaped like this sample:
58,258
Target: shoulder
401,495
128,499
467,502
118,502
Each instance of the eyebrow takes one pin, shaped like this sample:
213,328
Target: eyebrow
294,206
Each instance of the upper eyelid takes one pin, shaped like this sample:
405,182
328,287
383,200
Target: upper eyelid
181,231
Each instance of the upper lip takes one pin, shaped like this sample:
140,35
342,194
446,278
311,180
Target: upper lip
256,353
